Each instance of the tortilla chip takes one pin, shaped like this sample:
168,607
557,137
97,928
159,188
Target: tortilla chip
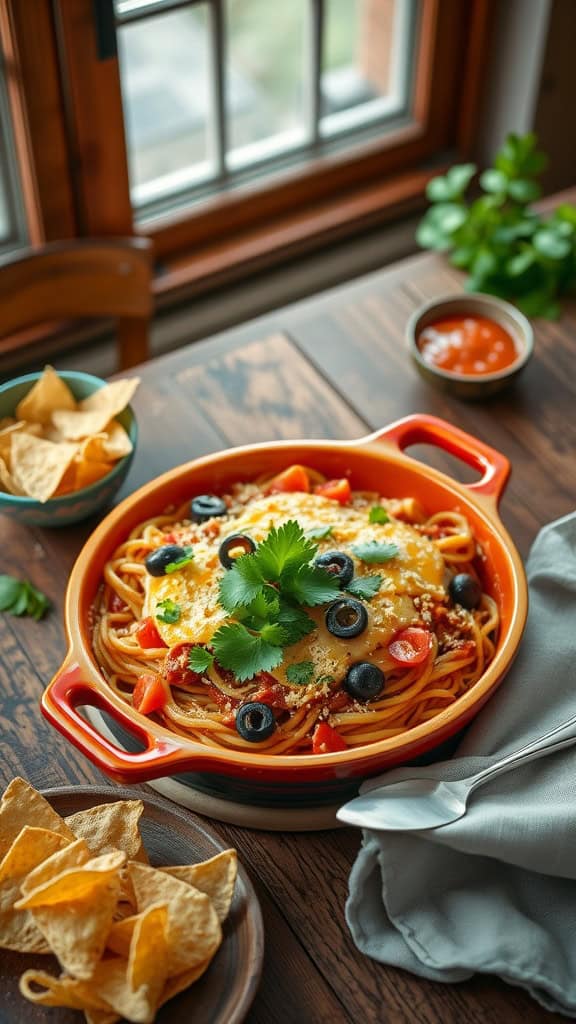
74,911
64,991
49,392
108,827
7,481
112,398
22,805
17,927
134,985
38,465
194,932
95,412
215,877
116,443
74,855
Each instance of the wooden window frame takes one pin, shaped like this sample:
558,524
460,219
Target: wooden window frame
68,117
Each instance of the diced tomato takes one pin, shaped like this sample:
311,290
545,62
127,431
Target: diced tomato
411,646
273,696
336,490
150,693
147,634
176,669
325,739
295,478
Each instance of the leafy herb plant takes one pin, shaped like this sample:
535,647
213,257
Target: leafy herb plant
507,248
19,597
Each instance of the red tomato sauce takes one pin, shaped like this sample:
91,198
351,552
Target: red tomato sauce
472,345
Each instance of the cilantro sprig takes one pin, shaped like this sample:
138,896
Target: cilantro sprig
264,592
300,672
168,611
374,551
365,587
180,563
20,597
378,514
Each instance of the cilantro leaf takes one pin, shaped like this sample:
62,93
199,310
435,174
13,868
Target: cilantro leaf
318,532
19,597
378,514
243,653
241,584
364,586
296,624
9,591
284,551
300,672
311,585
180,562
272,633
374,551
199,659
169,611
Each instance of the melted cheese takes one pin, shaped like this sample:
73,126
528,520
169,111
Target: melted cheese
417,569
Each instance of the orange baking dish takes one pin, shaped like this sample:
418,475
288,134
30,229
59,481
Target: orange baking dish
147,750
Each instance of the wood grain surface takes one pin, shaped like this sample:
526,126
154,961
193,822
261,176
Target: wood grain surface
333,366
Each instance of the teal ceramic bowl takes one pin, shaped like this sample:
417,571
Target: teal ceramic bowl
464,386
70,508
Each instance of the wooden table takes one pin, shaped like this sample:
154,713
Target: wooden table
333,367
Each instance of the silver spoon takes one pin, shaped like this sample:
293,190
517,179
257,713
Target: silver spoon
425,803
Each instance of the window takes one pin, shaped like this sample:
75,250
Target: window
232,132
12,218
216,93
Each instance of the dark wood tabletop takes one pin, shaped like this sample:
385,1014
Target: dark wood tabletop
334,366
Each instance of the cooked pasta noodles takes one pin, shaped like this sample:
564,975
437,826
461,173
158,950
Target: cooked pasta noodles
414,612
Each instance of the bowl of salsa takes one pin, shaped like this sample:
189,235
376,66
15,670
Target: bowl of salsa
470,345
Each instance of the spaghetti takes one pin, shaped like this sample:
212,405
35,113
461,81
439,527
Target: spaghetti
427,648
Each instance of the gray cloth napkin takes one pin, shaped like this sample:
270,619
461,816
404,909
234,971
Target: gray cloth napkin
496,891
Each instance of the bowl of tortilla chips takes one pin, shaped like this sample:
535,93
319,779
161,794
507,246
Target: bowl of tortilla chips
67,440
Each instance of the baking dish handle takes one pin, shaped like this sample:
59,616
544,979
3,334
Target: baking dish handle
423,429
60,702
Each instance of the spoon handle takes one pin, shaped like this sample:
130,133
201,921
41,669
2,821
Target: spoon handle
559,737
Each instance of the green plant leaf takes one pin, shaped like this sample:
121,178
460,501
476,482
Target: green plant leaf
200,660
365,587
459,177
242,653
429,236
311,585
494,181
374,551
551,245
520,263
300,672
295,623
378,514
241,584
523,190
10,589
484,265
318,532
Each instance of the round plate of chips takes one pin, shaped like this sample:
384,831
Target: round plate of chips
115,905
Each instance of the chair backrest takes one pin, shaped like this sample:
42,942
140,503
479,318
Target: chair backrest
86,278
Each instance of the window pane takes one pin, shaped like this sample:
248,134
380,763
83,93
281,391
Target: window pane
13,233
166,88
367,61
267,85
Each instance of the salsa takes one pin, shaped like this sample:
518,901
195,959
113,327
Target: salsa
472,345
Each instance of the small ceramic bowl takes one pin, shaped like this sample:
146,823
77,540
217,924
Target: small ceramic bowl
69,508
464,385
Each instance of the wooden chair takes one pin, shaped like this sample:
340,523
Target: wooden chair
63,281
